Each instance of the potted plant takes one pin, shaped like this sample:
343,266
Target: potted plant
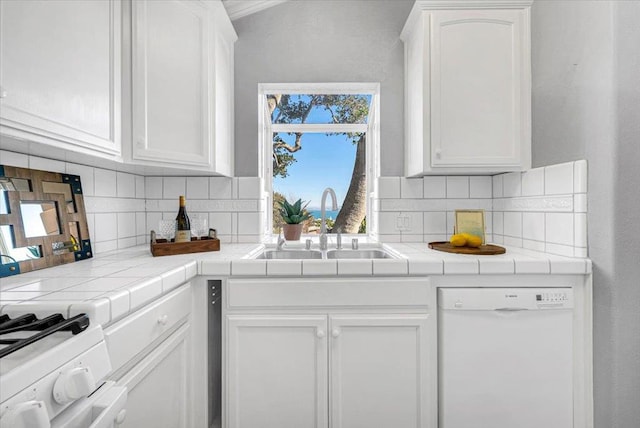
293,216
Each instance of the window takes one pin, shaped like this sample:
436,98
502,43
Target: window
318,136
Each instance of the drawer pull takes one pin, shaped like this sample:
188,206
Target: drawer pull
163,320
335,332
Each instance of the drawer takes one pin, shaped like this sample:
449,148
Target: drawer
267,293
130,336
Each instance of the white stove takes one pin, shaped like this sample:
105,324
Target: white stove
53,375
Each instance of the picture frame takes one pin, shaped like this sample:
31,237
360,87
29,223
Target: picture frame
470,221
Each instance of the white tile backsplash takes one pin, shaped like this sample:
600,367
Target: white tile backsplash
18,160
125,185
533,226
105,183
411,188
512,184
497,181
559,228
197,188
389,187
580,176
435,187
513,224
533,182
249,188
435,223
480,187
558,179
173,187
220,188
153,187
457,187
521,209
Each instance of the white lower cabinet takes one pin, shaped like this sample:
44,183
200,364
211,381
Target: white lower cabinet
277,368
338,370
158,386
378,371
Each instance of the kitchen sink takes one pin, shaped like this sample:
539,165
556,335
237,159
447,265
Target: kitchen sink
359,254
290,254
300,254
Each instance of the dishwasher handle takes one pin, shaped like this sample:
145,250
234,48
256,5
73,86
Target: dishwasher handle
510,309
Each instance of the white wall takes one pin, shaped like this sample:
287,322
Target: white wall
321,41
586,93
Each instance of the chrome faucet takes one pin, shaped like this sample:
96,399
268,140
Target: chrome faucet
281,240
323,215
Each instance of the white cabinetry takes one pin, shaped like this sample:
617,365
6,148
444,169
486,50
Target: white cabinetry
467,87
60,74
354,365
151,354
182,53
158,387
277,371
378,370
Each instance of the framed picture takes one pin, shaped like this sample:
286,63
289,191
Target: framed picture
470,221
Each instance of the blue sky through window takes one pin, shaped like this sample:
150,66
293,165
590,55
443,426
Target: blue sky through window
324,160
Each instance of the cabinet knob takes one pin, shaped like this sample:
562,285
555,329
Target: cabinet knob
438,153
163,320
320,334
141,143
3,92
119,419
335,332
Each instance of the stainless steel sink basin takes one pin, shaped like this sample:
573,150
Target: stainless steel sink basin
290,254
358,254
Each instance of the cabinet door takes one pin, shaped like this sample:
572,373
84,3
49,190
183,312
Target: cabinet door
480,88
379,371
60,73
225,38
158,386
277,371
171,82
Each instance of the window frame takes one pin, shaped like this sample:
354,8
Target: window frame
266,130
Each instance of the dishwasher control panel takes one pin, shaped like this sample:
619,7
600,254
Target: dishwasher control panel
505,299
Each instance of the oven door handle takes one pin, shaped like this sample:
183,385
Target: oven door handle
109,409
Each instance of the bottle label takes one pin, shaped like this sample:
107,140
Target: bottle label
183,236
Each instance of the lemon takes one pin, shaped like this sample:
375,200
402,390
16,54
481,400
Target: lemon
458,240
472,240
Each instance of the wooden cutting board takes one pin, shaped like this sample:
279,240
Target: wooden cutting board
482,250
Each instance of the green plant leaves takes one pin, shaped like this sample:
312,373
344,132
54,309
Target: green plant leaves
294,214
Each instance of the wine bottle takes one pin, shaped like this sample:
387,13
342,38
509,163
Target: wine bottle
183,225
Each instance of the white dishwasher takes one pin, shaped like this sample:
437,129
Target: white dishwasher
505,357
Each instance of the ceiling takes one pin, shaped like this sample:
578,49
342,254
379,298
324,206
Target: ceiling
239,8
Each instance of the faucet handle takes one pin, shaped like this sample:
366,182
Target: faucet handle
307,244
354,244
339,240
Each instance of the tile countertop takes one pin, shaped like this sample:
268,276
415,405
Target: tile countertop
114,284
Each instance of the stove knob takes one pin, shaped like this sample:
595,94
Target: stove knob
73,384
30,414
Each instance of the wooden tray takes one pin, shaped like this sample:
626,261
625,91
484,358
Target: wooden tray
482,250
161,247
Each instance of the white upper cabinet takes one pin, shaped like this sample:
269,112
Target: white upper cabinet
182,74
60,74
467,87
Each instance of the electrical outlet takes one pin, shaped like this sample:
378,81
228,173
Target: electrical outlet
403,223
